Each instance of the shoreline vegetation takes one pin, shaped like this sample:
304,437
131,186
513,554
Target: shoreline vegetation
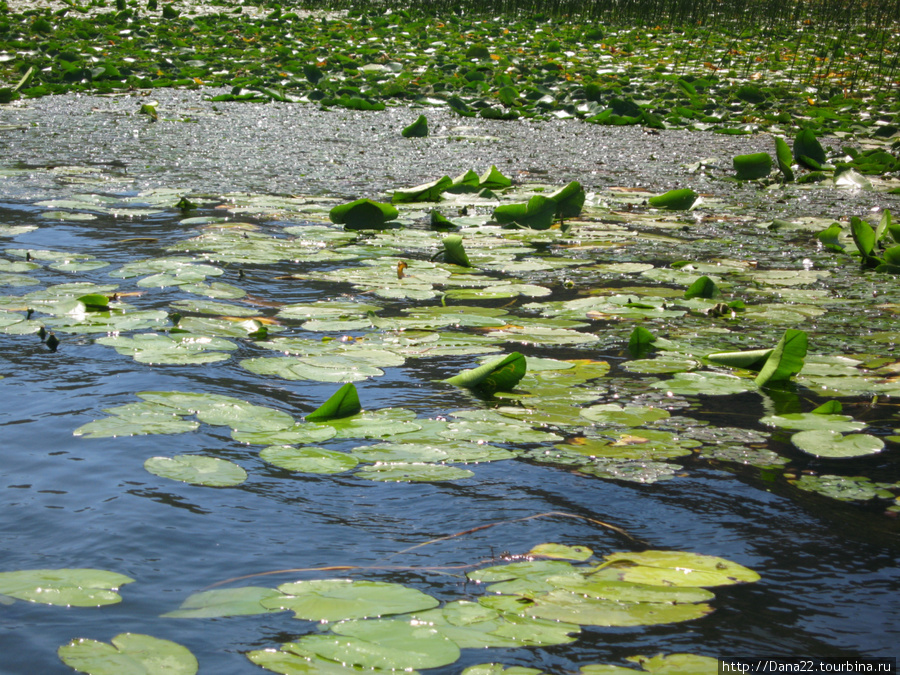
729,67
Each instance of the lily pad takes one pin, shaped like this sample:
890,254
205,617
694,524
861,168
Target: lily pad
129,653
65,587
308,459
244,601
413,472
676,568
828,443
342,599
197,470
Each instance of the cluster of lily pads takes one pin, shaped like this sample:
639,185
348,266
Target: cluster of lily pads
732,77
455,288
542,599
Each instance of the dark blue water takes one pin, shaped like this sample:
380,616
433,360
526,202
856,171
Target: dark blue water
830,575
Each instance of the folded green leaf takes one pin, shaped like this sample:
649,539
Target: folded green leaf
676,200
749,360
640,341
418,129
363,214
783,155
786,360
704,287
808,151
493,179
829,238
95,302
500,375
537,214
427,192
750,167
342,403
454,251
569,200
864,238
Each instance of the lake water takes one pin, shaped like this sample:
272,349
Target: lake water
829,570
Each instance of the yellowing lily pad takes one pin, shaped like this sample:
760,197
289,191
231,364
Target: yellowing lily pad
677,568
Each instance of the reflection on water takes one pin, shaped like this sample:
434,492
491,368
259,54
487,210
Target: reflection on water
827,572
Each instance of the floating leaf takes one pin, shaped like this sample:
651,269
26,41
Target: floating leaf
676,568
410,472
500,375
65,587
342,403
807,147
640,341
753,359
363,214
783,156
704,287
538,213
786,359
244,601
308,459
197,470
418,129
588,611
675,200
342,599
750,167
561,552
427,192
492,179
129,653
454,251
828,443
844,488
569,200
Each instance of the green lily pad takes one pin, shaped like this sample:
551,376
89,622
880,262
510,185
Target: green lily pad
197,470
844,488
629,416
706,383
244,601
308,459
291,659
64,587
181,349
813,421
413,472
341,599
588,611
388,644
828,443
128,653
